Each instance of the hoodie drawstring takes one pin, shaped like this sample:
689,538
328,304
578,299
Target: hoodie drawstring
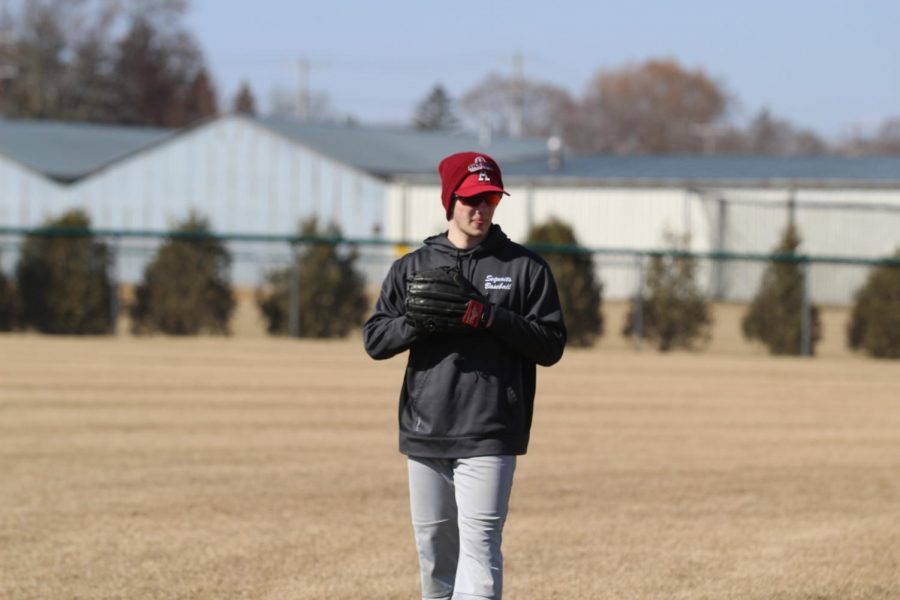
459,265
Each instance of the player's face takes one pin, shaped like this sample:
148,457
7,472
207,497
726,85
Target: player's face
473,216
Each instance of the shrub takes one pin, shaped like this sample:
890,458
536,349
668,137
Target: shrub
63,279
332,299
875,322
580,294
774,315
186,288
8,303
674,313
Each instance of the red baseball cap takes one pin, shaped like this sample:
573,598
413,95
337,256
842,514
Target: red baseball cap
468,174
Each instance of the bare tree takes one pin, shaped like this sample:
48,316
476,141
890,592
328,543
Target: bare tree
888,139
772,136
544,109
69,64
652,108
91,79
39,53
885,141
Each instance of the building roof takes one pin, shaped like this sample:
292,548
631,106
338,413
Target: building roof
387,151
403,152
747,169
69,151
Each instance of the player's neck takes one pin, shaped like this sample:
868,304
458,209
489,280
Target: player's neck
462,240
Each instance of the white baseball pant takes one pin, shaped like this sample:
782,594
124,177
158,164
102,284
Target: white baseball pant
458,510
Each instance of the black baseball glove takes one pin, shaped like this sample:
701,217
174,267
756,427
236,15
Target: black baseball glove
443,301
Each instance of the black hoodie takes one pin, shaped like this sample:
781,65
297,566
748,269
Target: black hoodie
471,394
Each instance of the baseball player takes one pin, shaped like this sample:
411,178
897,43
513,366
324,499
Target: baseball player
477,313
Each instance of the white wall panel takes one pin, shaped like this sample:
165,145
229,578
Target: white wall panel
27,198
757,219
243,177
637,218
601,218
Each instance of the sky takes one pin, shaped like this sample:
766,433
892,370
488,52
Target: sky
829,65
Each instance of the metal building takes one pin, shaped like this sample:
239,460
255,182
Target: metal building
262,175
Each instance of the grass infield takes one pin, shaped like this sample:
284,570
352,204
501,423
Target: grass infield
268,469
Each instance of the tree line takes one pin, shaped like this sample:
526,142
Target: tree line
104,61
136,63
652,107
62,285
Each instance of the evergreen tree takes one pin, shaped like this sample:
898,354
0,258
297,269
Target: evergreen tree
674,312
244,101
435,112
875,322
580,294
92,91
201,100
149,93
64,280
331,291
186,288
774,316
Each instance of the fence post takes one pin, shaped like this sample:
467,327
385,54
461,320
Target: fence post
639,303
805,311
113,286
529,206
294,296
719,266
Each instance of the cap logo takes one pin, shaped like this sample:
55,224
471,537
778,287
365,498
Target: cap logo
479,165
483,176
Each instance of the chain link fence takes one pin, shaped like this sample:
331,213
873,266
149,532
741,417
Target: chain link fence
723,276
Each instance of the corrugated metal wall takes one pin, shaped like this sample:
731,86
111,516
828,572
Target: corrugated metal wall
631,218
22,192
601,217
732,220
248,179
242,177
835,222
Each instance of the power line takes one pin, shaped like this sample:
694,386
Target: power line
461,61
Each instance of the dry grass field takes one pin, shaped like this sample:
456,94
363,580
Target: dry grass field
267,469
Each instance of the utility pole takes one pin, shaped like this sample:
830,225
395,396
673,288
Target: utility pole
707,134
792,207
517,126
303,96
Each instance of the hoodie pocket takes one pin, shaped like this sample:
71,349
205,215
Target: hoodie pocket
472,389
415,387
